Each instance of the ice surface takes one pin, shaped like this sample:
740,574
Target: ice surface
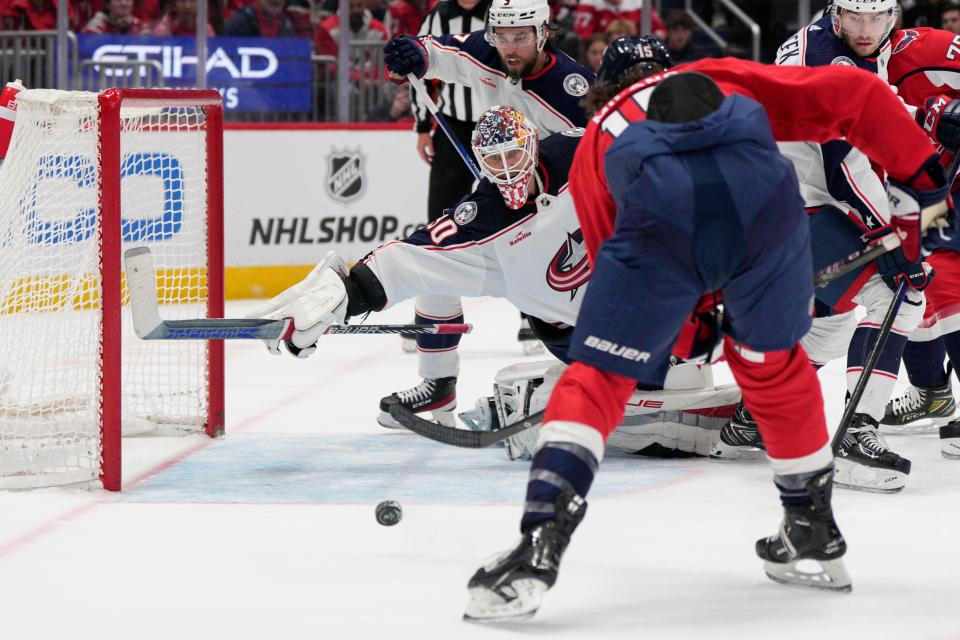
270,531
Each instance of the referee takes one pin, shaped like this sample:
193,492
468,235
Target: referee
450,179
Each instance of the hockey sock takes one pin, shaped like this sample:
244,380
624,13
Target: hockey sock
431,342
952,343
793,487
557,467
924,362
880,385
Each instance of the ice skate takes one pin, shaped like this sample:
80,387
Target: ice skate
510,587
950,440
935,404
807,550
865,462
436,395
529,342
739,438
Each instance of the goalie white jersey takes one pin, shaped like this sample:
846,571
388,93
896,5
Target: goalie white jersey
533,256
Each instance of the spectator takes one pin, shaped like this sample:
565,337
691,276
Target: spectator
377,8
363,27
399,109
950,19
179,20
593,52
82,12
406,16
31,15
594,16
620,28
116,18
265,19
925,13
679,39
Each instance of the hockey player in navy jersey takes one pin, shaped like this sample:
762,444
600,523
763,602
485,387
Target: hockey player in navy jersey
847,202
510,62
681,193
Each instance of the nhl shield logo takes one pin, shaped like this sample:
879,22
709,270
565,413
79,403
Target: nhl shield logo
345,175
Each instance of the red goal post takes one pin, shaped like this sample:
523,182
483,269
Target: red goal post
88,175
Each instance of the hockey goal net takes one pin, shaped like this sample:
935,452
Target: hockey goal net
88,175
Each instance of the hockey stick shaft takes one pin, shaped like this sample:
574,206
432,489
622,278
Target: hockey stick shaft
855,260
147,324
870,364
424,95
459,437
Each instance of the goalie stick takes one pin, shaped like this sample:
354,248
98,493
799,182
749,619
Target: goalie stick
147,324
459,437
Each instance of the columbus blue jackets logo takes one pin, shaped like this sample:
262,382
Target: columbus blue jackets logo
909,35
843,61
570,269
465,213
576,85
345,174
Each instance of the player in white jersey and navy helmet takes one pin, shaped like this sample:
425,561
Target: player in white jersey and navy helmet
848,203
509,62
516,237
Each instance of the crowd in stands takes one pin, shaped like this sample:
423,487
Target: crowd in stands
582,29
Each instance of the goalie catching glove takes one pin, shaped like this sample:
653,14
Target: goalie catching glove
329,295
313,304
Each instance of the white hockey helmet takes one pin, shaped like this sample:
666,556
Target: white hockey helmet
519,13
890,7
506,146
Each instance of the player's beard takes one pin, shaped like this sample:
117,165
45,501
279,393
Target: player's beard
519,72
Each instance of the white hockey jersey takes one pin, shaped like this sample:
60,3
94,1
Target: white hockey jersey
550,99
835,173
534,256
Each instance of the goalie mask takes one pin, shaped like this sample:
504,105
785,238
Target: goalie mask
505,145
862,20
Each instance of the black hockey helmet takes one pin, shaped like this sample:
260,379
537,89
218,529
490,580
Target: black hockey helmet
623,55
683,98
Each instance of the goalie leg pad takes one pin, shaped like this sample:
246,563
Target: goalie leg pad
685,418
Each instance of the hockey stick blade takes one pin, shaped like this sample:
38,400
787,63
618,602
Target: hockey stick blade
459,437
147,324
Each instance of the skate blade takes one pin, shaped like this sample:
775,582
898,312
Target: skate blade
831,575
950,449
485,606
446,418
724,451
913,428
860,477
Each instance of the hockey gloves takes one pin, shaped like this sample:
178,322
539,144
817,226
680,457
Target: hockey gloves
909,210
403,56
940,118
314,303
893,267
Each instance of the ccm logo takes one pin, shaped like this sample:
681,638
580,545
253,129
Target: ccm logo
615,349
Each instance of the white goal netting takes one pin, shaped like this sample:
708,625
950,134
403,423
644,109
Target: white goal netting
52,229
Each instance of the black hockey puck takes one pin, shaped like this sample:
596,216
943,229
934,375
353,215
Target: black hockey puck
389,513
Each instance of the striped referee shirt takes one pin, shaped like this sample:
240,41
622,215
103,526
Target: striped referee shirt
456,101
